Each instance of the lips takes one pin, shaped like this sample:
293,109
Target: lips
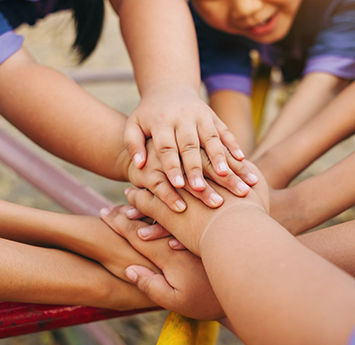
266,26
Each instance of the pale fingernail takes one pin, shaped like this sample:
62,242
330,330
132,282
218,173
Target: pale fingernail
243,188
222,166
138,159
174,243
105,211
216,199
178,181
239,153
132,212
198,183
145,232
126,191
252,178
131,274
180,205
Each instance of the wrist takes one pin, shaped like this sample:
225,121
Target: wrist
228,219
122,166
166,85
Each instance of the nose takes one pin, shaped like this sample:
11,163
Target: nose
240,9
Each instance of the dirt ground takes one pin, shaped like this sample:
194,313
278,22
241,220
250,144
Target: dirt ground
49,42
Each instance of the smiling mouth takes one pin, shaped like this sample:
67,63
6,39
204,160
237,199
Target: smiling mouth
265,26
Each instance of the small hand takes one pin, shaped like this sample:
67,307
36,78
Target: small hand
179,123
109,249
152,177
189,226
184,287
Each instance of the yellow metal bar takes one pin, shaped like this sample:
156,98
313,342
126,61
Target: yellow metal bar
259,93
208,332
178,330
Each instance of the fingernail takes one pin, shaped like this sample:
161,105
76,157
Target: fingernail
180,205
252,178
239,153
179,181
132,213
216,199
174,243
126,191
222,166
105,211
198,183
145,232
138,159
243,188
131,274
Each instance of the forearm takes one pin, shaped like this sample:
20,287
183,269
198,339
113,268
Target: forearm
62,117
313,94
272,287
315,200
50,276
336,244
87,236
294,154
161,41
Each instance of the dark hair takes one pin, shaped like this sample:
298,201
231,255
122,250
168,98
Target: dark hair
88,16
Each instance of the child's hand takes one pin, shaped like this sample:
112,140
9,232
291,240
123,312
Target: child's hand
103,245
189,226
179,123
184,287
152,177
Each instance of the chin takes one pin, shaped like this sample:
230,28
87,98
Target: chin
269,38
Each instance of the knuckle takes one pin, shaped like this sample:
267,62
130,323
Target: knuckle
211,137
165,150
189,147
130,145
145,285
157,185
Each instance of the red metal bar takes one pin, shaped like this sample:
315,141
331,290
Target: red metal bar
19,318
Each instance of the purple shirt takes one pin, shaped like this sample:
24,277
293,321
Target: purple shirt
322,39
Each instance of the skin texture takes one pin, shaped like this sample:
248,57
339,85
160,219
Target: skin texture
190,293
281,163
246,253
64,259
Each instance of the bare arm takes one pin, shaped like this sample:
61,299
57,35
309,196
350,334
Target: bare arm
42,275
313,94
315,200
83,235
271,287
334,123
62,117
234,109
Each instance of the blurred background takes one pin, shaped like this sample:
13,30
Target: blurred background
49,42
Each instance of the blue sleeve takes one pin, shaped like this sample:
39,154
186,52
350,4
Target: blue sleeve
10,42
224,58
334,48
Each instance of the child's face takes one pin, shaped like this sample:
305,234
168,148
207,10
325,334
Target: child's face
264,21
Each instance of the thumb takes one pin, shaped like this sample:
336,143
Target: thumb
134,140
151,284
